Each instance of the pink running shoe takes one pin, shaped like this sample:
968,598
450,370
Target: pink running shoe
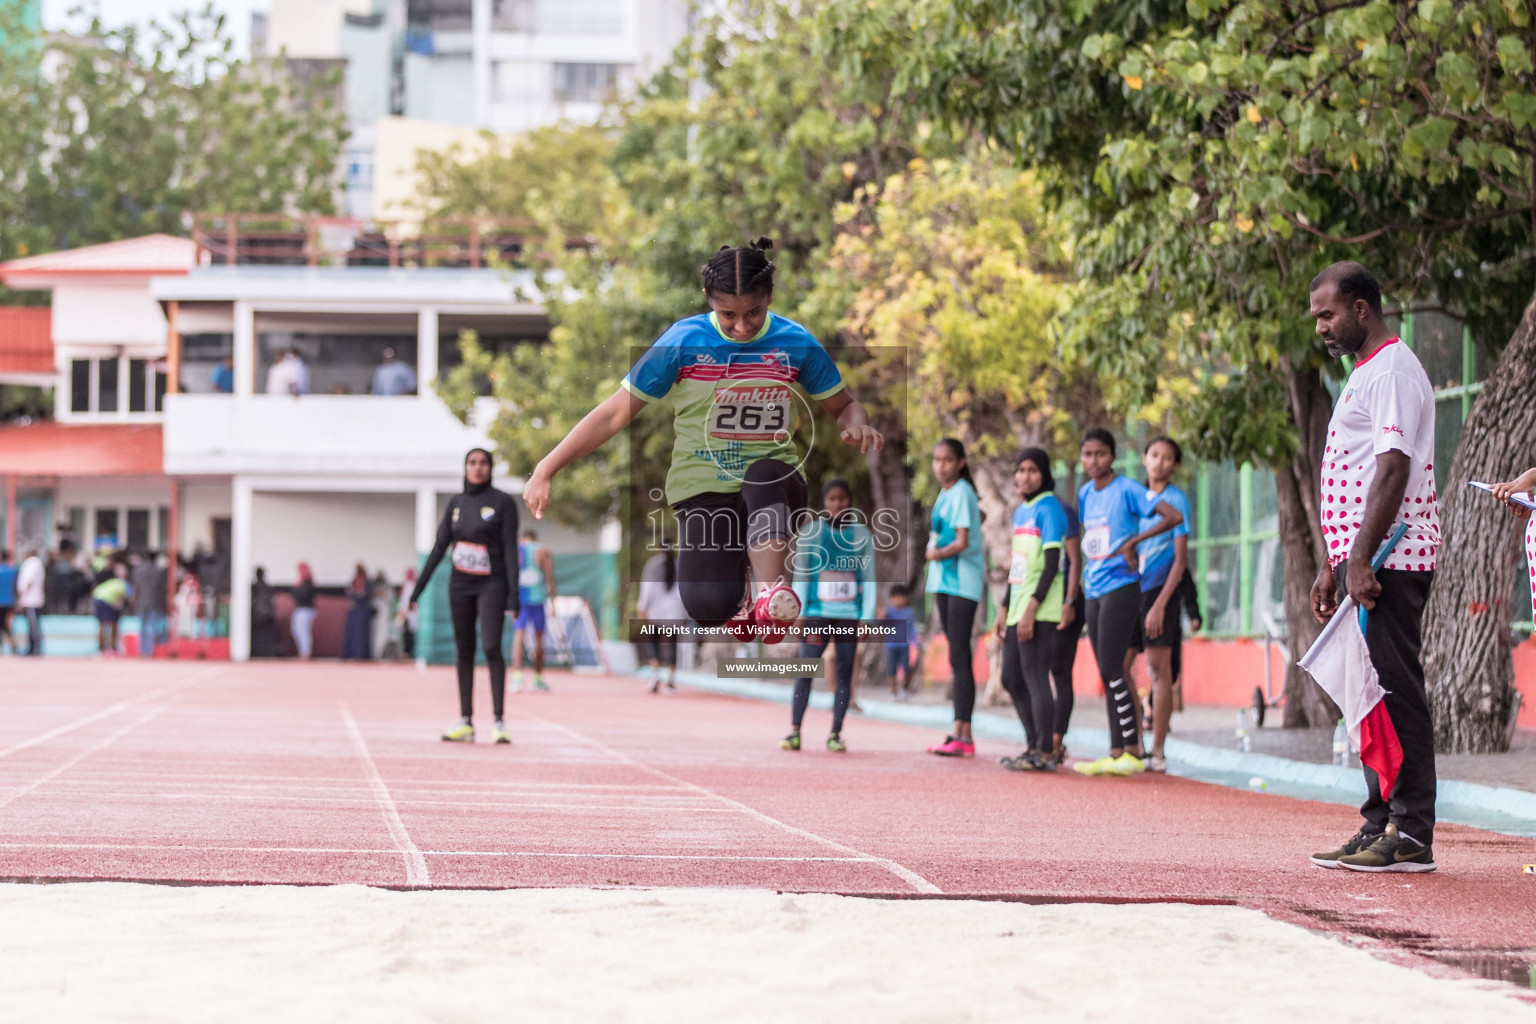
954,746
776,607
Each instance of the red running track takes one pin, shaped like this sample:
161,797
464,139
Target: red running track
327,773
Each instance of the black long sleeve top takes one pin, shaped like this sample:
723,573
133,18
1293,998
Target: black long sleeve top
479,526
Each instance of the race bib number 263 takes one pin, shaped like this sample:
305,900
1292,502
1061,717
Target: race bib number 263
750,413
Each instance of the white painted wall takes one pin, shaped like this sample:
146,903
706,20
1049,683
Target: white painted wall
333,532
201,503
310,28
333,435
98,313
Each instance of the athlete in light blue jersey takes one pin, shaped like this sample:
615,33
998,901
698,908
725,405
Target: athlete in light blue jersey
1163,559
536,588
835,581
1111,508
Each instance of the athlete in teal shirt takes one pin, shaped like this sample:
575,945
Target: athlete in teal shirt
835,580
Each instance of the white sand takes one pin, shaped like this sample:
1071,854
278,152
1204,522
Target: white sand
120,952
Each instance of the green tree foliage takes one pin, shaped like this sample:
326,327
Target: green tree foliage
946,286
113,133
1237,148
557,176
745,133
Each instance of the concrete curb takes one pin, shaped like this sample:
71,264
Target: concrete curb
1346,785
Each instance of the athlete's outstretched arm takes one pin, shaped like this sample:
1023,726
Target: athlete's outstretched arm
596,429
439,548
854,421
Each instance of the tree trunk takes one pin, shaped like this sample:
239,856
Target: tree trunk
1301,544
1466,624
893,521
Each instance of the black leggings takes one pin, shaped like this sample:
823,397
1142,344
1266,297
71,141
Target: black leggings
1062,663
1013,683
715,531
957,615
1111,623
843,655
485,600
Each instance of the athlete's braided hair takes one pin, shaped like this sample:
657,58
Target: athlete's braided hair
740,270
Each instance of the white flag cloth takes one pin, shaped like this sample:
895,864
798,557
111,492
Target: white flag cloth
1341,664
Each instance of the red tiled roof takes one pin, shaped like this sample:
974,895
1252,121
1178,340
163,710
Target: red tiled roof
26,339
148,256
89,449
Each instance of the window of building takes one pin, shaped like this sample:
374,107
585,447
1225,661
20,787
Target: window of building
80,385
585,83
138,385
146,384
106,529
94,385
163,526
138,529
106,385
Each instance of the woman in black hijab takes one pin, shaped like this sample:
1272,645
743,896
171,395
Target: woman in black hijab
480,526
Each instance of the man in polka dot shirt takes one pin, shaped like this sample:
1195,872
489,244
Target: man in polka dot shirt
1378,471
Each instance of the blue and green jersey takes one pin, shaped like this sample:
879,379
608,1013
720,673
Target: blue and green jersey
1038,526
530,578
735,401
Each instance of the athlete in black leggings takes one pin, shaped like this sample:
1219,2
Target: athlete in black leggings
480,525
733,480
1074,614
956,567
1111,508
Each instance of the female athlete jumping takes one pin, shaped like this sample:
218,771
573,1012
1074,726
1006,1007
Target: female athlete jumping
734,482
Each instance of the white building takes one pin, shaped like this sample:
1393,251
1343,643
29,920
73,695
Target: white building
505,66
147,451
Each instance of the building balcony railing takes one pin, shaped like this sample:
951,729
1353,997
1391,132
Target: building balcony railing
326,435
257,239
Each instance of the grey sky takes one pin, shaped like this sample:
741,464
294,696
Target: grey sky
237,13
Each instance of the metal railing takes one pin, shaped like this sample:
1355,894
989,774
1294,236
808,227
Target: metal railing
266,239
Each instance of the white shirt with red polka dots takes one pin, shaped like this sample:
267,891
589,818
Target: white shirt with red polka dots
1387,404
1530,559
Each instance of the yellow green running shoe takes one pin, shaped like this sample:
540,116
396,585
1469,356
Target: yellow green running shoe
461,733
836,745
501,735
1100,767
1126,764
790,742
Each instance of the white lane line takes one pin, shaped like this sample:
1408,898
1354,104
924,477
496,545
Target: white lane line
415,864
100,745
123,793
107,712
321,780
329,850
906,874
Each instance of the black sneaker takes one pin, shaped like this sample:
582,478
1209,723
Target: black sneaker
1391,852
1353,845
1025,762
